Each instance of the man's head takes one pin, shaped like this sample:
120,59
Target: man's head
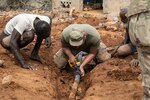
123,15
76,38
42,28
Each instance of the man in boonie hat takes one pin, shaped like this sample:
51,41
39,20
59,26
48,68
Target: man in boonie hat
80,37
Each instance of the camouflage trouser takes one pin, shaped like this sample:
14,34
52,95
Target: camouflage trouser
139,29
61,59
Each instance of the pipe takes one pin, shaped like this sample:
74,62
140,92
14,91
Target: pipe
77,76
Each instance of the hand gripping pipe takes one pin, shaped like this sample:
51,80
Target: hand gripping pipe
77,75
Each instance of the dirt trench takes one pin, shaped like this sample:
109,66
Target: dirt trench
111,80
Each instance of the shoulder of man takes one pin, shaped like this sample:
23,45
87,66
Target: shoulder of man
138,6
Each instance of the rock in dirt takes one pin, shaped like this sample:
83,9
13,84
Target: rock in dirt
1,63
140,77
13,97
78,98
6,80
45,68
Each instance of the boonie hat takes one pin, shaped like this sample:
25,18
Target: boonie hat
76,38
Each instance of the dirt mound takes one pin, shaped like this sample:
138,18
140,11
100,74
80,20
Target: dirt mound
123,75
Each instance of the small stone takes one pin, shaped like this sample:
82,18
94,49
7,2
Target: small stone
78,98
45,68
6,80
140,77
13,97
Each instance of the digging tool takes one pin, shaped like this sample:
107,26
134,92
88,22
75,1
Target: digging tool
77,75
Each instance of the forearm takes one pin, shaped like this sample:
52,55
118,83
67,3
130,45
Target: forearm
17,54
88,58
126,36
36,48
67,51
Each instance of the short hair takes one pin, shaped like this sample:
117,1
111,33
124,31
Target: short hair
123,15
42,28
124,11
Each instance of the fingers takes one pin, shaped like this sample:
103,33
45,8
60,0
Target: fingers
74,62
29,66
82,72
32,68
48,45
47,42
134,63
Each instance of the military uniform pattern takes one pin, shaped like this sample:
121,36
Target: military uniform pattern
139,31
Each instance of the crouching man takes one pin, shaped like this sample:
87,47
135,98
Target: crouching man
127,48
81,37
20,31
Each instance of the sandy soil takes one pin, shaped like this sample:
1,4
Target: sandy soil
111,80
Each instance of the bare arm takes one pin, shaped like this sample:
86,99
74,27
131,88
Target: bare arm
68,52
126,37
35,51
87,59
14,46
48,39
15,49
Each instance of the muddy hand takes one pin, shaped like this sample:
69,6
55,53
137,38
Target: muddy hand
134,63
37,58
29,66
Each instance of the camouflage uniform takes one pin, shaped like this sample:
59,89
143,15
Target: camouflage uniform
139,29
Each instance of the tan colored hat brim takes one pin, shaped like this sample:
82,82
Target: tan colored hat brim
76,43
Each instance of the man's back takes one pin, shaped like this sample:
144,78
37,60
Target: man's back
23,22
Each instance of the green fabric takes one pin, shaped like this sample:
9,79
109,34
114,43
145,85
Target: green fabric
92,40
139,29
144,60
138,6
76,38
